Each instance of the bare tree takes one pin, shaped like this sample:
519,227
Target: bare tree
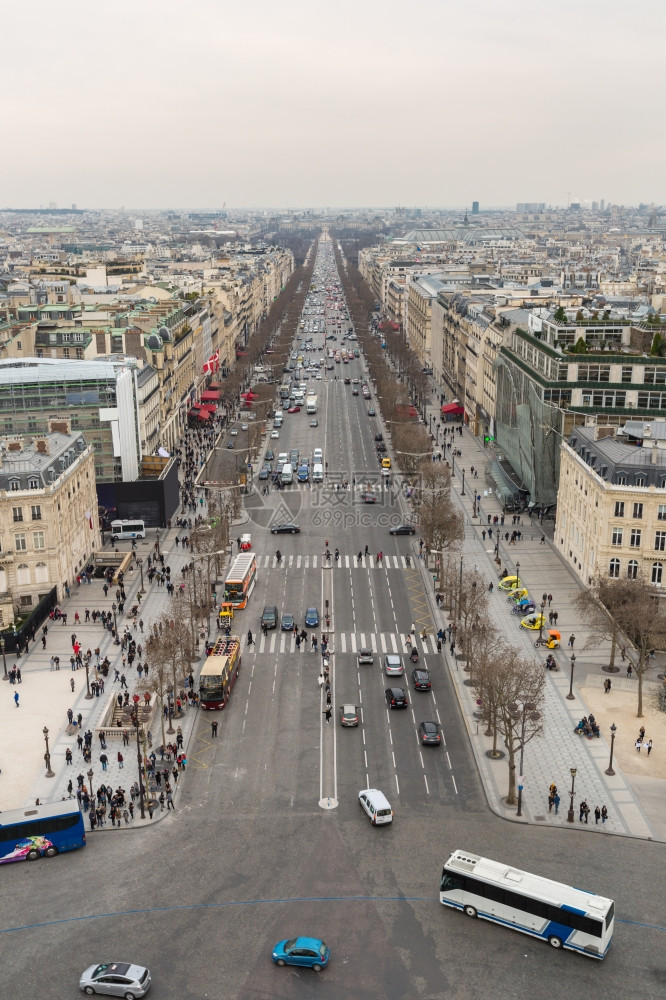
514,686
441,521
592,606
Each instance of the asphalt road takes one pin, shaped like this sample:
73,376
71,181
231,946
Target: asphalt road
250,857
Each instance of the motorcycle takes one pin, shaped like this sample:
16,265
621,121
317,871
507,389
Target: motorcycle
414,655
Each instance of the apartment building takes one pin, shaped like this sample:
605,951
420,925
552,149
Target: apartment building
48,516
421,291
611,510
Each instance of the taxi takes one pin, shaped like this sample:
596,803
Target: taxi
510,583
534,622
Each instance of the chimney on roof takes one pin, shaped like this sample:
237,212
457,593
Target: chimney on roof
42,445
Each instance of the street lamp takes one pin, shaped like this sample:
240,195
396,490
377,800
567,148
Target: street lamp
517,574
570,814
88,691
47,755
542,619
609,769
114,608
517,713
453,462
571,695
4,658
136,700
89,772
139,562
462,492
170,730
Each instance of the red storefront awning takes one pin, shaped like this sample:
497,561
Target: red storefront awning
204,414
210,396
453,409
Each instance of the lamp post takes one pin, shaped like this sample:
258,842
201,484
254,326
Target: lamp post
462,492
47,755
4,658
570,814
521,713
453,462
136,700
114,608
517,574
170,730
139,562
571,695
89,772
157,541
609,769
542,619
88,691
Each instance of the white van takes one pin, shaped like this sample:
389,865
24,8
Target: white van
278,417
318,456
318,473
287,474
121,530
376,806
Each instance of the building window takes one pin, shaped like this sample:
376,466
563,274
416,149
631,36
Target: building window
20,543
17,513
79,353
33,483
660,541
614,568
23,574
640,480
619,509
617,536
36,512
657,570
41,573
638,510
632,569
621,480
626,373
635,539
15,484
65,352
38,539
661,513
26,601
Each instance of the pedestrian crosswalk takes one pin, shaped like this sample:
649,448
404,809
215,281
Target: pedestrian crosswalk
344,562
345,642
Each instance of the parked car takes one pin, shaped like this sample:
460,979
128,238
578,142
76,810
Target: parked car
116,979
285,529
311,953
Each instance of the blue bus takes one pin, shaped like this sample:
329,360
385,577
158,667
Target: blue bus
40,832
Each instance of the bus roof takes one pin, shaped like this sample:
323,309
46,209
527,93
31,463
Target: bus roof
240,566
535,886
222,650
46,811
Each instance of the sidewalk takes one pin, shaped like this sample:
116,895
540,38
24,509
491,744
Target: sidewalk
634,795
46,694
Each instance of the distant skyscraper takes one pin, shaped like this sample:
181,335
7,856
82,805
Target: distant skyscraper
73,206
602,204
475,208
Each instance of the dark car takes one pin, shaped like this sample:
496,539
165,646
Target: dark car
429,734
381,446
285,529
347,380
269,616
287,622
354,392
369,498
270,455
265,472
311,618
379,437
421,680
396,698
403,529
371,411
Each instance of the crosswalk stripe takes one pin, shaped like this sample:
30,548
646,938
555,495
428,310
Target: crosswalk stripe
382,640
353,642
343,642
363,642
298,562
394,644
347,642
344,562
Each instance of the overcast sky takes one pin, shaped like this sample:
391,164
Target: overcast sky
194,104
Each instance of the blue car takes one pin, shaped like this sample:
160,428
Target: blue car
311,618
306,951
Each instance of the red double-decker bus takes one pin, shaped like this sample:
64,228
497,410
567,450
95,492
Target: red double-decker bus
219,672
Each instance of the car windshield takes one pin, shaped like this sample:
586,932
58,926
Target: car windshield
290,944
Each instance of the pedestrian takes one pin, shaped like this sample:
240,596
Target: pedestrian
550,599
551,802
556,615
581,810
16,698
556,802
103,759
604,814
121,760
169,799
543,540
161,801
72,683
327,713
649,747
572,639
638,744
629,670
607,685
413,629
586,812
213,729
597,814
250,640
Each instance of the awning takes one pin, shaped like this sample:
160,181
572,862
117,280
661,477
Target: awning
209,407
204,414
212,395
453,409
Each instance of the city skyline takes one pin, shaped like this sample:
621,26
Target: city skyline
354,107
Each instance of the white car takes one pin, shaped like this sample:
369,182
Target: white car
275,434
243,427
234,432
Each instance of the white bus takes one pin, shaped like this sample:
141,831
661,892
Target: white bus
121,530
557,913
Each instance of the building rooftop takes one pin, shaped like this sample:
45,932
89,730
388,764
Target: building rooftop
34,463
19,370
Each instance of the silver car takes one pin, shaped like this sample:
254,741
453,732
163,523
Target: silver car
116,979
393,665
